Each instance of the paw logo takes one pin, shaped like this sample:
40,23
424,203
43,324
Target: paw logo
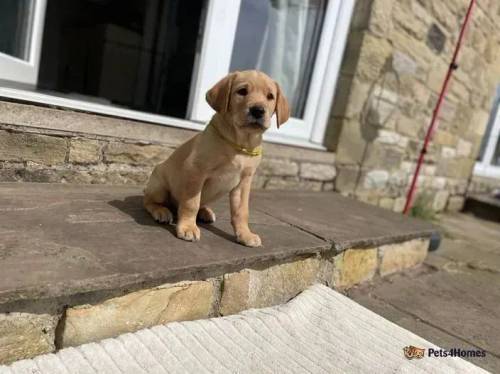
412,352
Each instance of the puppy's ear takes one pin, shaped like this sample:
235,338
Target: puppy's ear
218,97
282,109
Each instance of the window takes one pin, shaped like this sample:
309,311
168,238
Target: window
154,60
488,164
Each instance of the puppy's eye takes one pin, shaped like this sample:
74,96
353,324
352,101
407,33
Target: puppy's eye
270,96
242,92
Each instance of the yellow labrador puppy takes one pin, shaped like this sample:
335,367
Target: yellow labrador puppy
221,159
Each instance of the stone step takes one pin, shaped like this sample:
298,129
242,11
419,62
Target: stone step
300,336
483,206
84,263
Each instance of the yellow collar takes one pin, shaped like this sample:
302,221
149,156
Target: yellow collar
257,151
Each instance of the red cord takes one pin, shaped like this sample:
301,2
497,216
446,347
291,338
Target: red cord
453,66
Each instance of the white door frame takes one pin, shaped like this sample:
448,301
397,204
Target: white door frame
484,167
215,58
26,71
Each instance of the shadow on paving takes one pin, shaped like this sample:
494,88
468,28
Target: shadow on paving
453,300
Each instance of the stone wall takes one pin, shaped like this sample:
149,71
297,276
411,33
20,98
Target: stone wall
40,144
25,335
396,58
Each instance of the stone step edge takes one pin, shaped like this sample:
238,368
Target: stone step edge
26,335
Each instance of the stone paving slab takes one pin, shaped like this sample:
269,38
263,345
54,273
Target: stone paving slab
320,331
60,240
345,222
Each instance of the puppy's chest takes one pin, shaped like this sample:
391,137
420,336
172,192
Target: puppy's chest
228,176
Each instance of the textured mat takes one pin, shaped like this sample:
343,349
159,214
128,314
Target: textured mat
320,331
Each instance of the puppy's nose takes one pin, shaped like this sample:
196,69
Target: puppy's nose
257,111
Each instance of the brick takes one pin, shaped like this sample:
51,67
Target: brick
137,310
272,286
49,150
354,266
26,335
400,256
84,151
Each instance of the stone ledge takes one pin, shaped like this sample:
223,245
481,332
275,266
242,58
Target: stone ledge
93,256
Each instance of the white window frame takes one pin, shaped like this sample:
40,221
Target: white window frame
210,67
26,71
215,61
484,167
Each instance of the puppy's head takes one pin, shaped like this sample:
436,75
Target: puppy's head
248,99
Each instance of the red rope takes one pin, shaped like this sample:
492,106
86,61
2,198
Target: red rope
453,66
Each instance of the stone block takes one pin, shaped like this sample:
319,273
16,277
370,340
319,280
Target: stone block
376,179
399,204
278,167
292,184
137,310
262,288
84,151
386,203
26,335
347,178
354,266
136,154
440,200
464,148
400,256
375,52
47,150
320,172
455,203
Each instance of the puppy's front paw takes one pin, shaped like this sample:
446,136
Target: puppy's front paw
190,233
162,215
249,239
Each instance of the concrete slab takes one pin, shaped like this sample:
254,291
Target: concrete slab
90,242
345,222
454,300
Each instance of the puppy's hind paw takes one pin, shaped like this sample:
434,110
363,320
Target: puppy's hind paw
206,215
162,215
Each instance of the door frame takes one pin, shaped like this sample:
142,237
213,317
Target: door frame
26,71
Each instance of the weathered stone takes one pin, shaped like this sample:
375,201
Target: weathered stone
380,19
444,138
26,335
455,204
436,39
84,151
278,167
440,200
328,186
131,312
386,203
376,179
262,288
320,172
258,181
375,52
136,154
438,183
399,204
464,148
347,178
406,20
292,184
403,64
354,266
49,150
447,152
352,144
400,256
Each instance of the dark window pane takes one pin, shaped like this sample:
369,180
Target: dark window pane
16,17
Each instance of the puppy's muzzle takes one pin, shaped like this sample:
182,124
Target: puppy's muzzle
257,111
